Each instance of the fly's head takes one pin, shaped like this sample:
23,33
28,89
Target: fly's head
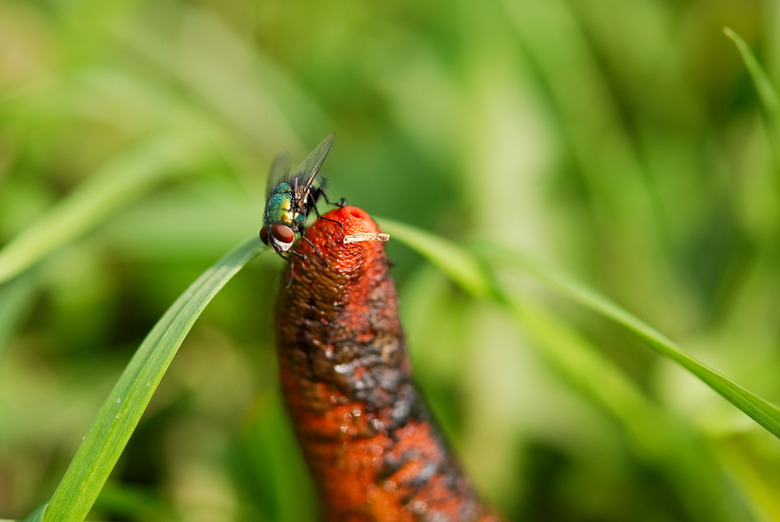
279,237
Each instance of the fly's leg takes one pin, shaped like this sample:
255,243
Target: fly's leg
326,219
341,203
302,232
296,253
316,250
316,210
289,264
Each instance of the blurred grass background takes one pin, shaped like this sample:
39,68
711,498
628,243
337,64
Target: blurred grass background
620,140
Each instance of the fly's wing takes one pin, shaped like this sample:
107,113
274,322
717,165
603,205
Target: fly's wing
305,173
280,170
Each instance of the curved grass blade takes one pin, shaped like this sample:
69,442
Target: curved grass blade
563,347
762,411
458,264
462,267
117,183
657,438
120,413
766,91
35,516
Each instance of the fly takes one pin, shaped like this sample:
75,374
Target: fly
292,195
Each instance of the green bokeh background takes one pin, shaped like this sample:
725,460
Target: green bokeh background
619,140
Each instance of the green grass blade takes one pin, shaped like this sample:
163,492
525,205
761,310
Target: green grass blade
461,266
15,300
757,408
119,182
35,516
452,260
766,91
657,438
120,413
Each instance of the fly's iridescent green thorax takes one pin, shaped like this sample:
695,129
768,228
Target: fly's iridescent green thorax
292,195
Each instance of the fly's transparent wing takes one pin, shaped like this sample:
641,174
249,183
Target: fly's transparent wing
280,170
307,171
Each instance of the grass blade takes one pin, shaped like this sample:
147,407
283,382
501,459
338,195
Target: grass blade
766,91
15,300
120,413
757,408
659,439
122,180
462,267
764,87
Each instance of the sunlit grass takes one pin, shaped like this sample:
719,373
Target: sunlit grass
627,145
115,422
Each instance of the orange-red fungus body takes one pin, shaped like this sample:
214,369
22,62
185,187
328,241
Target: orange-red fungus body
366,434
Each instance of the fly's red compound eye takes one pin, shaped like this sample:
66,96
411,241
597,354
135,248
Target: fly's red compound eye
264,235
282,233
